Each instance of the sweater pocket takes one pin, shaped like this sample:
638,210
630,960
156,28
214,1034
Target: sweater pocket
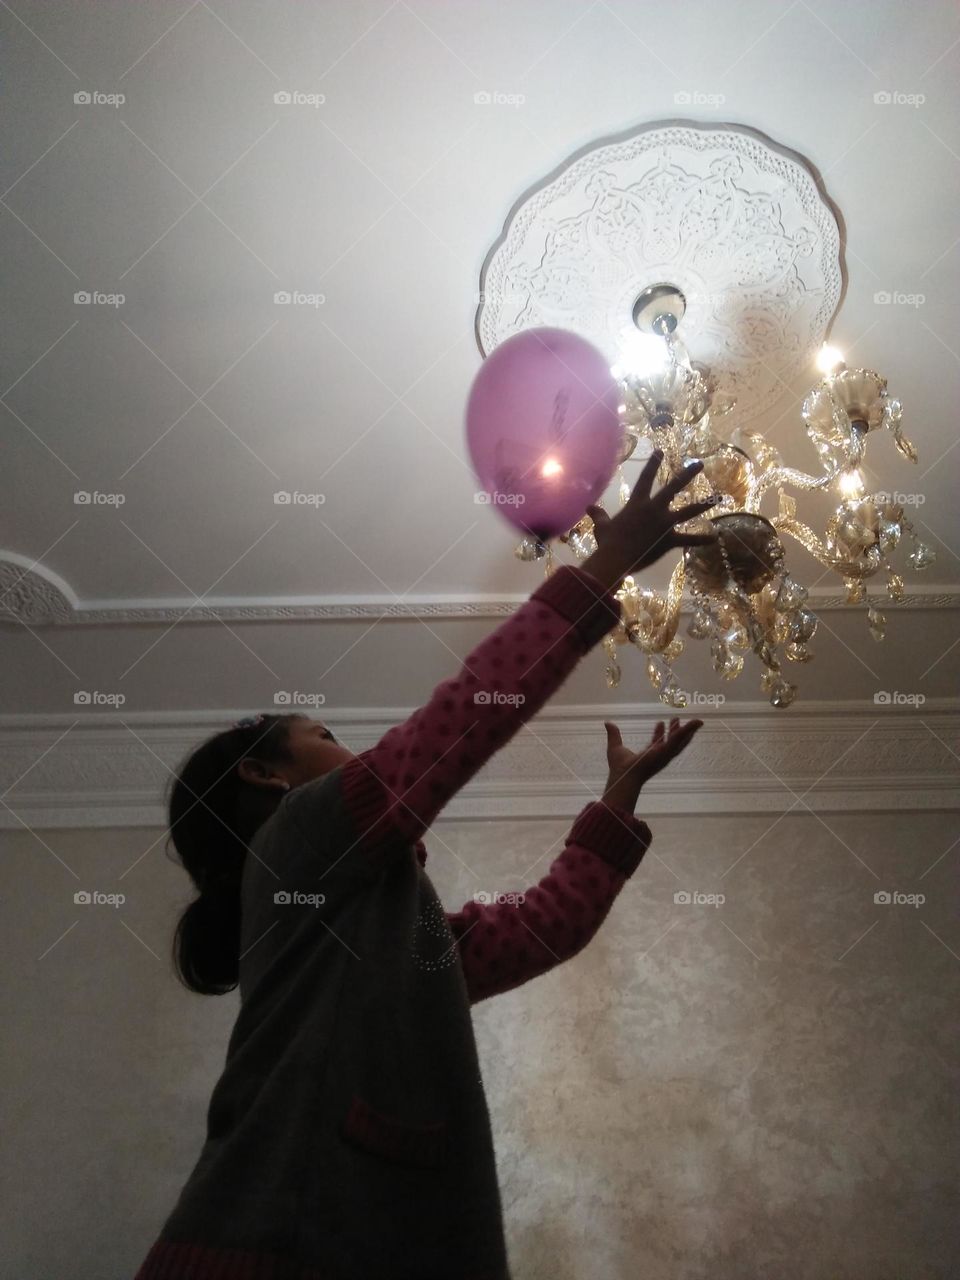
399,1141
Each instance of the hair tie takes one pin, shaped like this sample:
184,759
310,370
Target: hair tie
249,722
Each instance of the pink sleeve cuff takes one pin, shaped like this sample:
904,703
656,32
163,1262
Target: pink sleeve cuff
615,835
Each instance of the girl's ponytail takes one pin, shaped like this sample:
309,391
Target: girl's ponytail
207,942
214,814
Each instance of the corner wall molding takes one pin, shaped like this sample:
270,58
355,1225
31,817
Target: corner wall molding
94,771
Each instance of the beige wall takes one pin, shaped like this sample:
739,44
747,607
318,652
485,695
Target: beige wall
724,1092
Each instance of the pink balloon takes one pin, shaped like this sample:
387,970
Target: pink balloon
543,430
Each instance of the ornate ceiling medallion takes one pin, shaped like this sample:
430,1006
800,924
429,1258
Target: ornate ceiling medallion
718,225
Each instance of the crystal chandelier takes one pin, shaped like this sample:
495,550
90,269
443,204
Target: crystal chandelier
744,599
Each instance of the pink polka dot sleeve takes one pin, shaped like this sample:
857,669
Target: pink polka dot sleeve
504,944
400,785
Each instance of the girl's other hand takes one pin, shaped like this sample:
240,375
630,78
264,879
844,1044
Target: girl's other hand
629,770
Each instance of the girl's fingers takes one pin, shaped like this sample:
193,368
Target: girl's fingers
694,509
683,736
598,516
641,490
614,737
678,482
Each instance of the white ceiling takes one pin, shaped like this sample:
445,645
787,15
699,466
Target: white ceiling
199,198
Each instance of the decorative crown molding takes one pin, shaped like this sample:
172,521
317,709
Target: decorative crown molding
33,594
105,770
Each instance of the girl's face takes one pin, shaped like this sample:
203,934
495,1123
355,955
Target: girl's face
314,749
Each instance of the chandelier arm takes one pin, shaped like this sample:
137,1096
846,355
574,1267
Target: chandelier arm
652,636
674,599
643,633
806,537
791,476
779,475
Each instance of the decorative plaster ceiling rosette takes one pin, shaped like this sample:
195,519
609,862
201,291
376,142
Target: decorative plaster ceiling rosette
742,227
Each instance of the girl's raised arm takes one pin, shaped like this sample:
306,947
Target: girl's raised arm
400,785
507,942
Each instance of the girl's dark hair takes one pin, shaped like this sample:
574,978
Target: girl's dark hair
213,816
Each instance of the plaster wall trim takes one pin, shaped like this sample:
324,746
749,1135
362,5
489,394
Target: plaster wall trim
33,594
102,770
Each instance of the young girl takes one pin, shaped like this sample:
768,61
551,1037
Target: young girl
348,1136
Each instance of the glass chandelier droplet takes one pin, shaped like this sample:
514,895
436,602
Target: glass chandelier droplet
877,623
922,556
782,693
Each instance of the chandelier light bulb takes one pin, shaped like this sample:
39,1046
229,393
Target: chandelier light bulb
828,358
551,468
641,354
851,484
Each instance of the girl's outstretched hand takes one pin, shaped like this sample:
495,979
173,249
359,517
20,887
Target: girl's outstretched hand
629,770
644,530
